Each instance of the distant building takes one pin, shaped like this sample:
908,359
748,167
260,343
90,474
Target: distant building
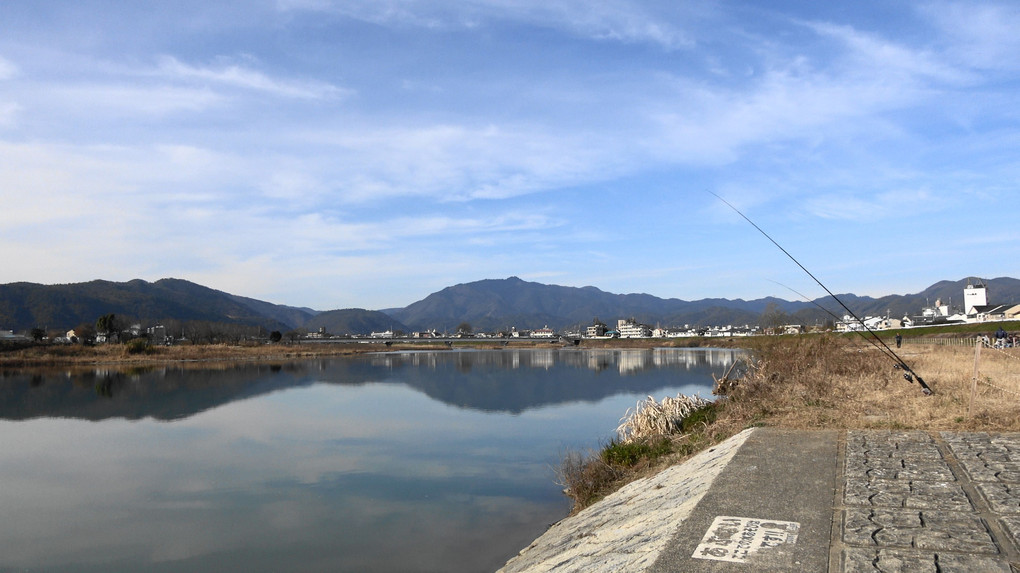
157,334
10,336
544,332
318,335
975,296
628,328
993,312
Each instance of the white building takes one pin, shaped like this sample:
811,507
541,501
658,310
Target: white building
631,329
975,296
157,334
544,332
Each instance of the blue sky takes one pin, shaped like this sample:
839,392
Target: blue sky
366,153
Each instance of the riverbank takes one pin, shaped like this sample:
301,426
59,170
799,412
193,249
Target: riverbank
904,470
111,354
823,382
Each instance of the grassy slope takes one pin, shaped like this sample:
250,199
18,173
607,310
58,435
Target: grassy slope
825,381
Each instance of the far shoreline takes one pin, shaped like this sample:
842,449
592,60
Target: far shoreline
50,355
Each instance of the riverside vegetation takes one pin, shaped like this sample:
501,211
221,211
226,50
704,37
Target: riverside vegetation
139,351
823,381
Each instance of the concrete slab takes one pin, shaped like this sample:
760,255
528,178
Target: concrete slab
627,530
777,478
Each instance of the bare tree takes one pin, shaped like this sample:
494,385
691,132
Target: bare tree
772,317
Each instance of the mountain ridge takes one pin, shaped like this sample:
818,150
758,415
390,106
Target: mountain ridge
486,305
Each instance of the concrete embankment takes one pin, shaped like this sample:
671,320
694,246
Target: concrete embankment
628,530
785,500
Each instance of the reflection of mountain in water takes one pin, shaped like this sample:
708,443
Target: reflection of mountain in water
504,381
514,381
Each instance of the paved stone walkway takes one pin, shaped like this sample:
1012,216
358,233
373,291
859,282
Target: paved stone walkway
914,501
857,501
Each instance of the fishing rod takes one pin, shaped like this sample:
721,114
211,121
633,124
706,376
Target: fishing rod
838,318
908,373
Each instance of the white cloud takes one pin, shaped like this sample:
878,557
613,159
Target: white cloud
233,75
7,69
861,91
116,93
876,59
863,207
8,109
110,210
85,100
52,184
711,125
458,162
627,21
8,113
983,35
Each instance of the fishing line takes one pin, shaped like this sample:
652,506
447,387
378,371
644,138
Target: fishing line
908,374
838,318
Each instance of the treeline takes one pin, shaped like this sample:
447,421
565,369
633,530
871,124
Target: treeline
207,332
111,328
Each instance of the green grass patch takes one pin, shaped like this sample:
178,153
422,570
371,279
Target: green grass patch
700,418
136,346
628,454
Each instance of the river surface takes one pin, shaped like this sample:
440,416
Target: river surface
396,462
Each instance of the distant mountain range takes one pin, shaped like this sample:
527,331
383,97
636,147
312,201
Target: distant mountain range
487,305
498,304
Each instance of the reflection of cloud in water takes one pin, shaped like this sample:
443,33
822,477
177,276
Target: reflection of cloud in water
203,501
325,465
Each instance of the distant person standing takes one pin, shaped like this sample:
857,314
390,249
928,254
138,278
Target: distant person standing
1000,338
899,340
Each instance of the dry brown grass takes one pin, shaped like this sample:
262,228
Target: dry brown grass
651,419
120,353
834,382
823,382
53,355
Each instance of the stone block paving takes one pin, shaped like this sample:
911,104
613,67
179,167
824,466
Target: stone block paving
914,502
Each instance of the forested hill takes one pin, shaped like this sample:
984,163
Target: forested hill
512,302
26,305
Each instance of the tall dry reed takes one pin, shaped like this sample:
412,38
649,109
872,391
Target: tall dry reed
650,418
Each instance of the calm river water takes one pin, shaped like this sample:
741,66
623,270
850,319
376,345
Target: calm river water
402,462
